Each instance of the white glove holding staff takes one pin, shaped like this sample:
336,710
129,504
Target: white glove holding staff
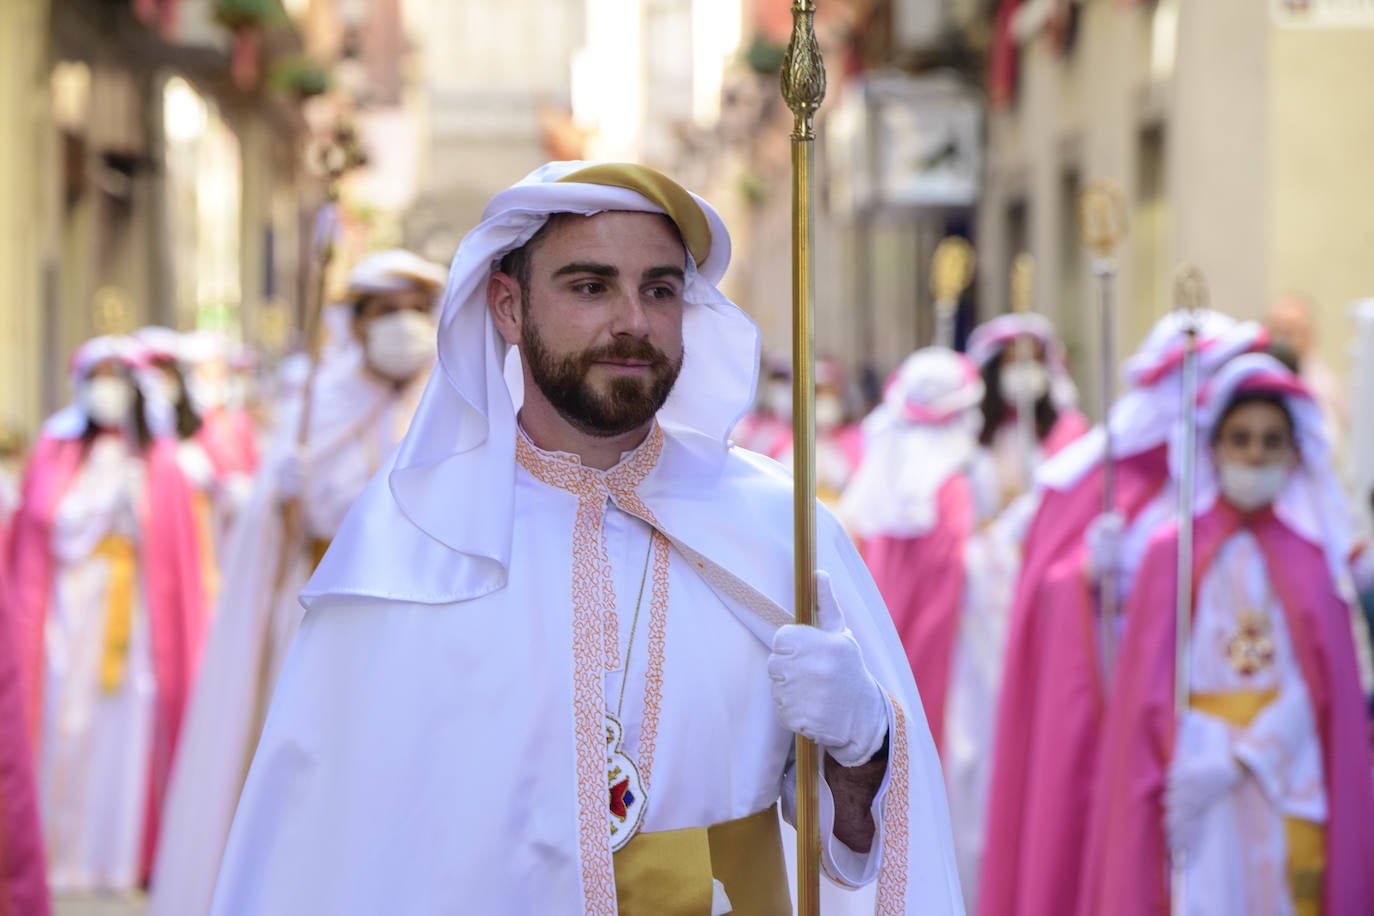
289,473
1103,538
822,688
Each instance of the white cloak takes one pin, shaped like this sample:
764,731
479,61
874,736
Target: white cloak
421,750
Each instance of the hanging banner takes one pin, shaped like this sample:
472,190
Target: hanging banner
1323,14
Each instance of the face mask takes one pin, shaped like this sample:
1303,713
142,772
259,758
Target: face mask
829,412
207,395
1023,382
401,344
779,399
162,389
1250,488
106,401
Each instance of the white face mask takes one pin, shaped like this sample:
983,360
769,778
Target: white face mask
401,344
779,399
208,395
1022,382
161,389
106,401
1250,488
829,412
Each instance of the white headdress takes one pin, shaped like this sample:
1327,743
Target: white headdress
1144,416
1311,501
924,431
452,477
71,421
989,339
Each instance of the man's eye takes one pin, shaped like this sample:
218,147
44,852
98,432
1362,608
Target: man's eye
661,292
589,287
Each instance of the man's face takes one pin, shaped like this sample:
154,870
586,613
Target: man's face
1256,434
600,324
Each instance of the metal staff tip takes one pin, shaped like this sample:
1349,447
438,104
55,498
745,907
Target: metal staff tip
1190,291
951,272
1102,217
951,268
803,71
1022,283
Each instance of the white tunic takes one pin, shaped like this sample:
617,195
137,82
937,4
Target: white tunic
440,740
1239,866
96,745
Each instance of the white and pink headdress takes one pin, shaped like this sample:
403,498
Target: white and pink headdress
1311,502
990,338
71,421
925,430
1144,416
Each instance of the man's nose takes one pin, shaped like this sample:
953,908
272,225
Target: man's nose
630,316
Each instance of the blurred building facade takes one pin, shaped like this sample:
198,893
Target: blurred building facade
151,176
1234,128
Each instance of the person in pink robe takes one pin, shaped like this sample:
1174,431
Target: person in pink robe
23,868
167,586
910,507
1243,791
1023,365
1050,704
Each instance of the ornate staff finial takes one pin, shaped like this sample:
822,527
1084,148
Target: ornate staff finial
1102,217
951,268
1190,289
803,71
1022,282
951,272
112,311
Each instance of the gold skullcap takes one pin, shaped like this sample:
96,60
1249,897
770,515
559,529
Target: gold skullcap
680,206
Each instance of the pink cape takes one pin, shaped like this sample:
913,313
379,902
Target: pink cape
1049,709
1068,426
1127,863
228,439
172,588
23,872
922,582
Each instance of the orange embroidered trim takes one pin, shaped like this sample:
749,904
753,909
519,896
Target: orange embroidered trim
892,876
653,675
592,591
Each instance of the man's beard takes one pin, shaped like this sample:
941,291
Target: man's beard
626,406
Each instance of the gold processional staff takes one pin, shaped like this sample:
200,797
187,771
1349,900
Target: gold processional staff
803,87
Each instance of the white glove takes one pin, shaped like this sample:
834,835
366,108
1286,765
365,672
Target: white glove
822,688
1193,786
1103,539
288,472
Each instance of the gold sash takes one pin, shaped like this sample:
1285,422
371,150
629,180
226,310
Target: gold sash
118,552
318,548
1239,707
203,512
669,872
1306,841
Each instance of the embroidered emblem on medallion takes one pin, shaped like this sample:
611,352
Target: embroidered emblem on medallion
626,790
1251,650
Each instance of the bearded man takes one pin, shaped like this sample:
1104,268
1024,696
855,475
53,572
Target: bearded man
548,664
